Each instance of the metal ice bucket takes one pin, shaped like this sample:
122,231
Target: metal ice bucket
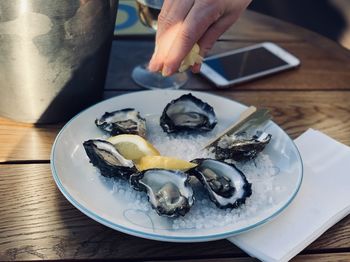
53,56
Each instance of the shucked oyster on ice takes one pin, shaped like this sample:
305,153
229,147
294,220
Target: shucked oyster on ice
187,113
226,185
107,159
168,191
241,146
125,121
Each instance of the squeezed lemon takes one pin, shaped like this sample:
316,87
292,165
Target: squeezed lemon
165,162
191,58
133,147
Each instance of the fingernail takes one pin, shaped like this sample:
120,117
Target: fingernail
166,71
153,67
150,66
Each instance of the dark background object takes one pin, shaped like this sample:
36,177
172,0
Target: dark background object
320,16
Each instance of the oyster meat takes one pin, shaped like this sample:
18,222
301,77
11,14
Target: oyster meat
107,159
168,191
241,146
187,113
226,185
124,121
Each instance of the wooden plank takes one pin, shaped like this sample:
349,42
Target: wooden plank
327,257
325,64
294,111
320,56
320,69
226,259
21,141
37,222
28,142
253,26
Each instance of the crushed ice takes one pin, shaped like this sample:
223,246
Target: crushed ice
204,214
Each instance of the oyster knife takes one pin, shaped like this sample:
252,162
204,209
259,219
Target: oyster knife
251,117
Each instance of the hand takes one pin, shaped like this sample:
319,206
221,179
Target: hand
182,23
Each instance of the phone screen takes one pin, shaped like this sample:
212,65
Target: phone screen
245,63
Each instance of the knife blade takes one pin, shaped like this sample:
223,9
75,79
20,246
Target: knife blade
249,118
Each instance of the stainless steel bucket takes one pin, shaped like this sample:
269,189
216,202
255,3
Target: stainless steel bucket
53,56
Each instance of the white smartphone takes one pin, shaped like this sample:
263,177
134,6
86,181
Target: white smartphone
247,63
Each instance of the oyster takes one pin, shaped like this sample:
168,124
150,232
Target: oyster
226,185
125,121
168,191
241,147
107,159
187,113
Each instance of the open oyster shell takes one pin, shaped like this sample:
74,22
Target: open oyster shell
226,185
125,121
241,146
107,159
187,113
168,191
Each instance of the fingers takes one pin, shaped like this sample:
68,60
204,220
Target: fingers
172,12
169,22
166,7
207,41
213,33
197,21
183,23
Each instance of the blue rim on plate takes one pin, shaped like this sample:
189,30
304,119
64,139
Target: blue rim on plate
160,237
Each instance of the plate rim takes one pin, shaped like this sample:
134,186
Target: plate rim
160,237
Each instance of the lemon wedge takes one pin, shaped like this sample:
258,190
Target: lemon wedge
192,58
133,147
165,162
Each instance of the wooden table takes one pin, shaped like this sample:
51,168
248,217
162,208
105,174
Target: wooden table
37,222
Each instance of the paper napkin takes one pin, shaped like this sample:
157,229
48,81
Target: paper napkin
323,200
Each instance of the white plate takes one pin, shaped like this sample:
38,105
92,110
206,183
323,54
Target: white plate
96,196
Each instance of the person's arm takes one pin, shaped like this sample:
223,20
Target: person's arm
182,23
